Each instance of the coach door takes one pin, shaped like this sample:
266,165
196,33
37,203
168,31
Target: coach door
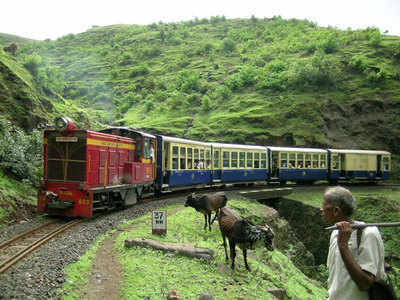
379,166
342,159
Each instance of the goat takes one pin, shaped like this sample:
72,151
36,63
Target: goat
206,204
241,232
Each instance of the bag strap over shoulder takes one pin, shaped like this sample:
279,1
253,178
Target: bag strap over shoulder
359,233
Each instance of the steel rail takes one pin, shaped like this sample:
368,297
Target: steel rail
2,245
13,260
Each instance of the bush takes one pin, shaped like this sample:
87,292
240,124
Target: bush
374,38
206,103
223,91
274,81
234,82
139,71
32,63
377,77
329,44
248,75
188,81
319,70
151,52
358,63
20,154
228,45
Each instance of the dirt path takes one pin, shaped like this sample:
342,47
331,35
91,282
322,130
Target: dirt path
106,274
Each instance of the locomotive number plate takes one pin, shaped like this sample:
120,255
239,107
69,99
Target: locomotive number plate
66,139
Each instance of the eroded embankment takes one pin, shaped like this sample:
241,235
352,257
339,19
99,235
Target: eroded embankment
307,224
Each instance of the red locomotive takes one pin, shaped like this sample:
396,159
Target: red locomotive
85,171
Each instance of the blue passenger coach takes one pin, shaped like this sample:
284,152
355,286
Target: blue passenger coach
297,164
369,165
239,163
182,162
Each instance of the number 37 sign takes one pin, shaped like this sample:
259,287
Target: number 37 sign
159,222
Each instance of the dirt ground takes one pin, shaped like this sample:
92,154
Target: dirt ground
106,274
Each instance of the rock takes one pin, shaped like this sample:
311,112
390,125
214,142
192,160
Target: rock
206,296
278,293
173,295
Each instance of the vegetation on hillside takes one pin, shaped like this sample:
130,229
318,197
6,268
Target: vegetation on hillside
263,81
258,81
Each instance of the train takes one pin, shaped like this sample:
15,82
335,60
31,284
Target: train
86,171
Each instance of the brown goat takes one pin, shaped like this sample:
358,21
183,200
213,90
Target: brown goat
241,232
206,204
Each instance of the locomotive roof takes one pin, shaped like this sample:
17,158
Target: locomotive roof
293,149
236,146
352,151
130,129
183,141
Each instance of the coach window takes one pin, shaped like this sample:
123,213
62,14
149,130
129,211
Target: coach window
147,148
315,161
175,157
308,160
201,162
196,158
386,164
234,159
257,160
242,157
216,159
322,159
283,160
249,160
167,155
300,160
189,158
292,160
263,160
335,162
225,159
208,159
182,158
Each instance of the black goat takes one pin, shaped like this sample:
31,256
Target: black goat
206,204
241,232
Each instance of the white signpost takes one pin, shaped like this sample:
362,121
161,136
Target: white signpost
159,222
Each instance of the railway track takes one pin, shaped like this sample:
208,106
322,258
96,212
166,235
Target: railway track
16,248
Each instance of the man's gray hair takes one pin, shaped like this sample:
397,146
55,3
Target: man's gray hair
343,198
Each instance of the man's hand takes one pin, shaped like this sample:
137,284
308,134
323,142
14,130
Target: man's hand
344,234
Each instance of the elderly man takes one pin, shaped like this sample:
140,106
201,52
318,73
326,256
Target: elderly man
352,267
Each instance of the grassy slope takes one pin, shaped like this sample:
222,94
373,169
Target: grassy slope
156,273
16,199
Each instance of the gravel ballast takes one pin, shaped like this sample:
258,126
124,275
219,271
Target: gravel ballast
40,274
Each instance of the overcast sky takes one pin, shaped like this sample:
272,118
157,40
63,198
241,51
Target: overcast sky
41,19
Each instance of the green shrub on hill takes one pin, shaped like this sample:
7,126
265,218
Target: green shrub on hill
20,153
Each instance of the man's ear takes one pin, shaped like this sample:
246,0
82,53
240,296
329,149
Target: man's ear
337,211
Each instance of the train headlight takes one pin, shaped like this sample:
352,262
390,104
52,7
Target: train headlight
64,123
61,123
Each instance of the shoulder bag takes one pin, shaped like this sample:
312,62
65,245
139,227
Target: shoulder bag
378,290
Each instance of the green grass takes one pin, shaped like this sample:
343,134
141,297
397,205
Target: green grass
14,196
150,273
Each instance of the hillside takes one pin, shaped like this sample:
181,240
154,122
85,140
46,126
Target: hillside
263,81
